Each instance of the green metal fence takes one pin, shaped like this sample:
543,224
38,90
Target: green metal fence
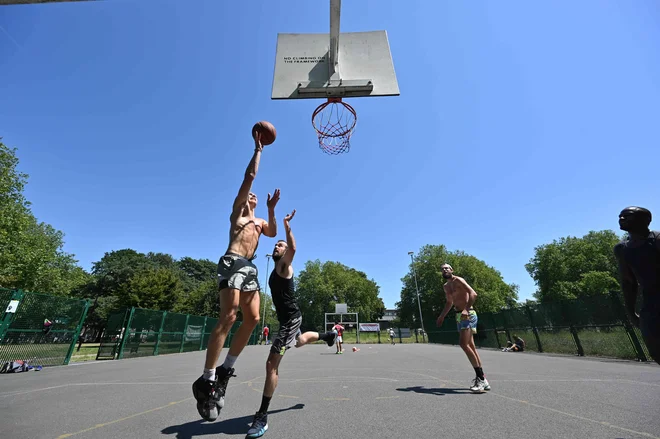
24,335
138,332
589,326
133,332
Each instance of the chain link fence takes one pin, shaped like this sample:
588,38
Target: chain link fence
39,328
589,326
138,332
44,330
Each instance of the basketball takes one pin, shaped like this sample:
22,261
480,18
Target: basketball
267,130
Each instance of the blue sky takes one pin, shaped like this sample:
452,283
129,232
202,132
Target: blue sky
515,123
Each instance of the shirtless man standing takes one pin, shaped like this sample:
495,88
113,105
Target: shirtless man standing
638,257
239,286
461,296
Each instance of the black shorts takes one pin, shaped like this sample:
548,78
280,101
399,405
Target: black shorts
287,335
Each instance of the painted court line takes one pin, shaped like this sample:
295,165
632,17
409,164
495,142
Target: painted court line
62,436
582,418
23,392
97,426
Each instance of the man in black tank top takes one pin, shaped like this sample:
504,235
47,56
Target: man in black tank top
638,257
282,289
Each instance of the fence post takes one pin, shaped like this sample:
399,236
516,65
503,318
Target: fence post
378,334
201,338
571,328
632,336
493,328
535,330
160,332
127,333
183,336
9,316
77,333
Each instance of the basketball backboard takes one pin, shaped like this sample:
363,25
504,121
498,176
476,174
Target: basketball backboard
303,67
334,66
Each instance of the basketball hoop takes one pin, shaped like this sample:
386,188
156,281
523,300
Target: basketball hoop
334,122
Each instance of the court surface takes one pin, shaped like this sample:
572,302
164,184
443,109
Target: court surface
382,391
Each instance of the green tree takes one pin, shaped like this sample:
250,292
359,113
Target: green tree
153,288
31,254
322,285
572,267
493,293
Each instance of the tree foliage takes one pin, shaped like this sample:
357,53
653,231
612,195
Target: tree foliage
493,293
31,254
572,267
322,285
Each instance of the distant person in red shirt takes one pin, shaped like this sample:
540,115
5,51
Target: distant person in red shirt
266,331
339,329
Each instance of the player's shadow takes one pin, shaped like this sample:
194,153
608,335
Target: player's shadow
227,426
439,391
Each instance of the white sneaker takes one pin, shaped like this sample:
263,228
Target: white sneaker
477,386
486,385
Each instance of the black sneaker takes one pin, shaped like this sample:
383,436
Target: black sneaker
222,376
332,340
205,394
259,426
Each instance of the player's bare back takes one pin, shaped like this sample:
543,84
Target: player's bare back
459,292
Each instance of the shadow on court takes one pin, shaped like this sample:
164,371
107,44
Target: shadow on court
436,391
227,426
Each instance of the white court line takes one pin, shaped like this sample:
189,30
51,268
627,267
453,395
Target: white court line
31,391
582,418
23,392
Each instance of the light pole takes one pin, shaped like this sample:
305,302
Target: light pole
263,319
412,261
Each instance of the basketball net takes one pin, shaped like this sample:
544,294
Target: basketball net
334,122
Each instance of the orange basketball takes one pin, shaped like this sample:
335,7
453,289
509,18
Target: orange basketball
267,130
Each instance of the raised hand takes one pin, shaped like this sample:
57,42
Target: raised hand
289,217
257,141
271,202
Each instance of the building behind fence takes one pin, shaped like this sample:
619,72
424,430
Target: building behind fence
134,332
588,326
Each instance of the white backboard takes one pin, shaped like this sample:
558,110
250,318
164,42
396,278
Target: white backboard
364,66
341,308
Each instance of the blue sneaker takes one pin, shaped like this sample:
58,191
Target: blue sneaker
259,426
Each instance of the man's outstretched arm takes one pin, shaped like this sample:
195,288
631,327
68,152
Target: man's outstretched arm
250,172
270,226
290,240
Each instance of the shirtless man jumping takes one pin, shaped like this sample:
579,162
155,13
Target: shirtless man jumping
239,286
461,296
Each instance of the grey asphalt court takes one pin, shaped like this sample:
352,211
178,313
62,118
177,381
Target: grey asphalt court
381,391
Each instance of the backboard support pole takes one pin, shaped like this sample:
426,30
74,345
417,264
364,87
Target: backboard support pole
333,65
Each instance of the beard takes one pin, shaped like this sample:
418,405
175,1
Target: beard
276,257
447,275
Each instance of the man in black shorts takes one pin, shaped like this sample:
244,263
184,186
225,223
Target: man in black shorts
639,266
282,289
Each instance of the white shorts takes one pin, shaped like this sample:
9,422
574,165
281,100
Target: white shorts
339,339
